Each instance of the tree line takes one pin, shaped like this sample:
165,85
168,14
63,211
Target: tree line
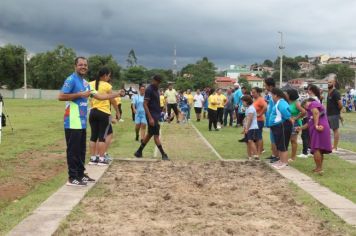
48,70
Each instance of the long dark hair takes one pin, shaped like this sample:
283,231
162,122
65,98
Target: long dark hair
315,90
212,90
292,94
103,71
279,93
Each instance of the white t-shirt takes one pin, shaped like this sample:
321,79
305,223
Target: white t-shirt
198,100
251,109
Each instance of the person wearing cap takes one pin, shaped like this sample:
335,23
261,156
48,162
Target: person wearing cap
152,108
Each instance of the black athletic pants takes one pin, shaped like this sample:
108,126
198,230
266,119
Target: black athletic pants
76,149
120,109
220,114
305,137
213,118
174,107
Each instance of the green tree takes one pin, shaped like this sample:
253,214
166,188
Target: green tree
183,84
96,62
244,83
288,74
136,74
266,74
11,66
131,59
167,76
344,74
202,73
268,63
48,70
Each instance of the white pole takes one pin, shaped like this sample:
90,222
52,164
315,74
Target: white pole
281,47
0,118
25,75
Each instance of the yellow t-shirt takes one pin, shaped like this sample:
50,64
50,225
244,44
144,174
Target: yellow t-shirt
171,96
161,101
212,99
190,99
101,105
221,99
118,100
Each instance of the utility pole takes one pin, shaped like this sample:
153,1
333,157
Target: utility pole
175,71
281,47
25,74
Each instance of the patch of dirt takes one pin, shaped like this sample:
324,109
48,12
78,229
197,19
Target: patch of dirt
29,169
193,198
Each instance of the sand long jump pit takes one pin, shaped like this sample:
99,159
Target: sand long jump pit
191,198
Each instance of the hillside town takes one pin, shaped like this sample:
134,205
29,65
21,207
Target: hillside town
255,73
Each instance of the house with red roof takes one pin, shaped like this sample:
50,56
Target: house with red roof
224,82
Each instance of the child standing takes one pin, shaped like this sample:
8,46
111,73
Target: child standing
250,127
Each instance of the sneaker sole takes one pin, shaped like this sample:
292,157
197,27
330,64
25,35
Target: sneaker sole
76,185
92,163
103,164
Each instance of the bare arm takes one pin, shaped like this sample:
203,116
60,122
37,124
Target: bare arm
339,104
302,111
315,112
114,104
106,96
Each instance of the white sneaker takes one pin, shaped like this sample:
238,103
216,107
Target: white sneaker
121,120
219,127
302,156
280,166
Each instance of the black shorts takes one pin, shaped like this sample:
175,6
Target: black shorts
281,134
109,130
197,110
153,130
99,124
252,134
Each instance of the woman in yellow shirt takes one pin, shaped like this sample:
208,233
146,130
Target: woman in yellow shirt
100,117
212,110
221,99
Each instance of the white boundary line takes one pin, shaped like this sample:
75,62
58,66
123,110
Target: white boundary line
207,142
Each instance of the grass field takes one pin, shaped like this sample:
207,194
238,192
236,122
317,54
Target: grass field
38,135
32,158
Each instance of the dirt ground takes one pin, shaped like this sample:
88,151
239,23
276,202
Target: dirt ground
192,198
29,169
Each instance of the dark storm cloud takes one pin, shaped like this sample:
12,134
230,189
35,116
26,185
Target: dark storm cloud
225,31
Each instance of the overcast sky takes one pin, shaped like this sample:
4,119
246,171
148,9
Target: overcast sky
226,31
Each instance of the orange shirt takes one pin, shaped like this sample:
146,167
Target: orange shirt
259,104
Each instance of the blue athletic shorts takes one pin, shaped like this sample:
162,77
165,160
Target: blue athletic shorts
140,119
